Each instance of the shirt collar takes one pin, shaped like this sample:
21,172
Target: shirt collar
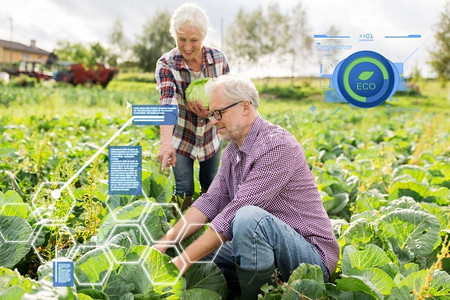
252,134
207,57
249,140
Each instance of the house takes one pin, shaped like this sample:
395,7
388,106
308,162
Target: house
12,52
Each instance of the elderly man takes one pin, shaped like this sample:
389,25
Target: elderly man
263,204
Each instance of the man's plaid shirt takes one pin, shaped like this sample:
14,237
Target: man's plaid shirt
194,136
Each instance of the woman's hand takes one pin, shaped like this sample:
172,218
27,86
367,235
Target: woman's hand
197,108
167,156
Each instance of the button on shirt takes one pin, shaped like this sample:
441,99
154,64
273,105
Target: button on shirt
194,136
270,171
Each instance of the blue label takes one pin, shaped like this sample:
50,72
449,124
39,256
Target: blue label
125,170
155,114
63,273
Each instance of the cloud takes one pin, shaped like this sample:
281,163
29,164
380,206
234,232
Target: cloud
85,21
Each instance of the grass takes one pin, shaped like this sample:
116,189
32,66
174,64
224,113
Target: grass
64,99
62,126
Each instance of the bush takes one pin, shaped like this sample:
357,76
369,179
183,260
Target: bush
24,81
285,92
137,77
412,89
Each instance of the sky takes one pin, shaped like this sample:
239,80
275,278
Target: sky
48,21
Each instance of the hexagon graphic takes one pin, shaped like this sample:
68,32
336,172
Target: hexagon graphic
79,250
147,253
59,202
134,236
61,231
96,259
116,214
152,217
208,261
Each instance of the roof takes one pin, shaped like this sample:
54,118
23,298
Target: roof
21,47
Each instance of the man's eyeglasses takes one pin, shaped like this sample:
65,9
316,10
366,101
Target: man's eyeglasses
217,114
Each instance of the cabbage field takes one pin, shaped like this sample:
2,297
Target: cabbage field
383,174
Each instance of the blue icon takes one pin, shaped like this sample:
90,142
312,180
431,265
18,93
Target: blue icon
366,79
63,273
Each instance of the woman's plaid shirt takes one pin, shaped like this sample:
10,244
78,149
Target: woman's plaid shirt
194,136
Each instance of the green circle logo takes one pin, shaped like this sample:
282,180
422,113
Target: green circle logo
366,79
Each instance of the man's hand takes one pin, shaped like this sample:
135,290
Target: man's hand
161,248
208,242
182,266
185,227
197,108
167,156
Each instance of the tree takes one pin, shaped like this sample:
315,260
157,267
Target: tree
73,52
118,44
440,58
98,54
262,36
78,53
299,39
276,35
244,38
154,41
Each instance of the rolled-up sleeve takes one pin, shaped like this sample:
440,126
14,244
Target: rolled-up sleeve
217,197
165,84
226,66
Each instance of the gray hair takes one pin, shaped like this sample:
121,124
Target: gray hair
235,88
189,14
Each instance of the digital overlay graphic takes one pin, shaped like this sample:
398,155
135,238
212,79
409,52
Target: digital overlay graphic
365,79
124,184
375,80
63,273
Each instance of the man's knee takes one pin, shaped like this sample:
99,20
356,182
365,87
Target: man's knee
247,218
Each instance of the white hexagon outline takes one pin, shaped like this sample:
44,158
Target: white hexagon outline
39,189
106,274
110,236
39,229
127,221
57,183
16,241
74,251
147,253
170,242
200,261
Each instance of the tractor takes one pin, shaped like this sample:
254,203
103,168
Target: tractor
31,68
73,73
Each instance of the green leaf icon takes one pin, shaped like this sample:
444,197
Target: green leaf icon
365,75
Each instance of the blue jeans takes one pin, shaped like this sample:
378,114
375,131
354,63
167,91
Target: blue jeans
260,240
184,174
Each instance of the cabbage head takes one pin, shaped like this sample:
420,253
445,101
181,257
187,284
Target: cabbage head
196,92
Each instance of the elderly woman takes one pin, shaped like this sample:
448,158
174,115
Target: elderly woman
194,137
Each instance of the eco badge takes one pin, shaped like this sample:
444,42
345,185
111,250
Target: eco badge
366,79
